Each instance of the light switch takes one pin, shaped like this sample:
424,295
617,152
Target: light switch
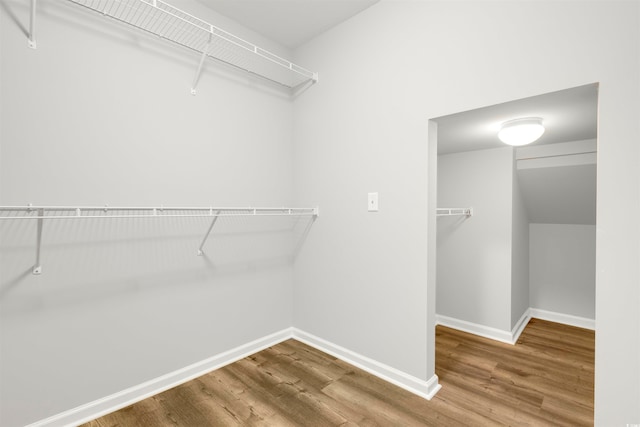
373,202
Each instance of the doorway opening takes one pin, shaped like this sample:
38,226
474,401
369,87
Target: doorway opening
516,234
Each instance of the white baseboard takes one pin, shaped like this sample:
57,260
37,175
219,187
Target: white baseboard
567,319
426,389
108,404
520,325
509,337
100,407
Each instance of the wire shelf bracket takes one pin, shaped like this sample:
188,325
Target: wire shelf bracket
454,212
40,213
37,267
32,26
172,24
206,236
199,70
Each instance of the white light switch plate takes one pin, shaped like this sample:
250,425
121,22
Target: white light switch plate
372,202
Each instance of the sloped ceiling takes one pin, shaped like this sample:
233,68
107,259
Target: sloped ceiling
554,195
560,195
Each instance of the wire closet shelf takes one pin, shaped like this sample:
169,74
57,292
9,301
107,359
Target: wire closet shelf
40,213
170,23
80,212
454,212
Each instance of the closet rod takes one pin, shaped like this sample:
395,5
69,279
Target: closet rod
86,212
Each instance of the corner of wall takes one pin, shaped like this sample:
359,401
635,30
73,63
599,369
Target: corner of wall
509,337
426,389
129,396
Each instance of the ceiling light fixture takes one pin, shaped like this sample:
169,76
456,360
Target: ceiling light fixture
521,131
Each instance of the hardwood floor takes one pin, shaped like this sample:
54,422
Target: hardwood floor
545,379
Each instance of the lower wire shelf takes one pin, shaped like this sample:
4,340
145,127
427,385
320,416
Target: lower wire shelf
40,213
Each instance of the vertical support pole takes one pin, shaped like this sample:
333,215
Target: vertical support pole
32,26
206,236
37,268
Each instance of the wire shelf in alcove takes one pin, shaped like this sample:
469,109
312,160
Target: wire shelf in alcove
454,212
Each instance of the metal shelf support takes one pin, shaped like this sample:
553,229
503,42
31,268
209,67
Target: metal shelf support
32,26
37,267
206,236
199,69
454,212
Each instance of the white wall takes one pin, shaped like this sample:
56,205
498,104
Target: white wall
98,114
474,267
563,274
361,280
519,254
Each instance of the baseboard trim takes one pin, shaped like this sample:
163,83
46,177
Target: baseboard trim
124,398
477,329
105,405
520,325
426,389
567,319
512,336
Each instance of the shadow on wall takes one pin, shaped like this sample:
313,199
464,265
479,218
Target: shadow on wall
12,16
447,226
86,259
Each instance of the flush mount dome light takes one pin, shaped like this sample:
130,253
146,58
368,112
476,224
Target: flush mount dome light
521,131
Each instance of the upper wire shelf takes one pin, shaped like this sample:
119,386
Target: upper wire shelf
170,23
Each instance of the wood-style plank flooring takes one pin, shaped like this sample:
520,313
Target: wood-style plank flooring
545,379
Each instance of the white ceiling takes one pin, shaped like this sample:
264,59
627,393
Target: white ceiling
564,194
568,115
289,22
